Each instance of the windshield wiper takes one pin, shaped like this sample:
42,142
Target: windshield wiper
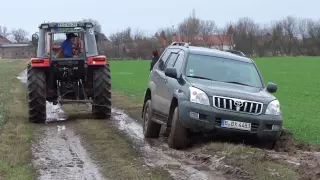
234,82
200,77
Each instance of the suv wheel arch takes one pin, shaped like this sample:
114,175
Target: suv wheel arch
147,97
173,105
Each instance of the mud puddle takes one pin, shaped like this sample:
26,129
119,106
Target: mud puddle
180,164
57,152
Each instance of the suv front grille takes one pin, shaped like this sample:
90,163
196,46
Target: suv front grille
238,105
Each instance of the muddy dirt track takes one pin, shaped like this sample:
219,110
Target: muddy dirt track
58,153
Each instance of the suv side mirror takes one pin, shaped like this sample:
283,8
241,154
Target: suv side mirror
171,72
272,87
35,39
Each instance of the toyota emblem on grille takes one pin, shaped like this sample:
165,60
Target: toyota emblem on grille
238,105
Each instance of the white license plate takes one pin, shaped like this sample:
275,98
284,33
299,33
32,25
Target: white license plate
236,125
67,24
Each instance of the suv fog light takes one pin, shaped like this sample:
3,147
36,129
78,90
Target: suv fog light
275,127
194,115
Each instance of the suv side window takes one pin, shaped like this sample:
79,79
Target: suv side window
172,59
179,62
163,59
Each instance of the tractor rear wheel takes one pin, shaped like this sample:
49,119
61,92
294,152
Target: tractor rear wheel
101,108
36,84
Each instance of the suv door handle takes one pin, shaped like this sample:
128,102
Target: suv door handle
165,80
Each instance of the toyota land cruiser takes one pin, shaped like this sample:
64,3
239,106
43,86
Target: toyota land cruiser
195,89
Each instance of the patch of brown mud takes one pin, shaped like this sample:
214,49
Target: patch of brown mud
288,144
305,162
211,162
178,164
59,155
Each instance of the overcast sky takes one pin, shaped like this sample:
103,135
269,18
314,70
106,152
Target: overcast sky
148,15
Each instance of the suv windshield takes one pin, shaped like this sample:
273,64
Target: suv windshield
223,70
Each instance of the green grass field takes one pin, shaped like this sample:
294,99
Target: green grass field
298,81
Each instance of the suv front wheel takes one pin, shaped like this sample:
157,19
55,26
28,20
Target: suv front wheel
151,129
178,137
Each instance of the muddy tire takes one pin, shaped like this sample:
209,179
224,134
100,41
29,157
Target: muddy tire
36,96
178,137
269,145
151,129
101,109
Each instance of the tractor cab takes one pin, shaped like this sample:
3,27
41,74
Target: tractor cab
51,36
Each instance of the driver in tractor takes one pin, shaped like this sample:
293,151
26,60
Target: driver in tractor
67,45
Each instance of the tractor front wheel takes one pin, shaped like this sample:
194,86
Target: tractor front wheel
101,108
36,95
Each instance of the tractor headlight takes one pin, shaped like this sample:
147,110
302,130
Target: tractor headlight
198,96
273,108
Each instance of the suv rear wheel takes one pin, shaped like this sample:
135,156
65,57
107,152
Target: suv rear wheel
178,137
151,129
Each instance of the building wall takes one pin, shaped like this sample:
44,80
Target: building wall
17,52
222,47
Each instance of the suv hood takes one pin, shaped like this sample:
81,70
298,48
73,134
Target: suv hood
215,88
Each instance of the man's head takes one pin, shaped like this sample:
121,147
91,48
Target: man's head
70,36
155,53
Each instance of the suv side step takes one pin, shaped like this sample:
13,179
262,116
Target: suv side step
158,121
158,118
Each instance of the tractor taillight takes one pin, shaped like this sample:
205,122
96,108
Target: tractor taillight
40,62
37,60
97,60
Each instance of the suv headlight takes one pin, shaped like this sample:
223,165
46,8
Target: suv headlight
273,108
198,96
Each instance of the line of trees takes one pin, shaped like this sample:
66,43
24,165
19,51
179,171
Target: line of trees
289,36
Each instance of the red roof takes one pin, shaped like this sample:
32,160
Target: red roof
211,40
4,40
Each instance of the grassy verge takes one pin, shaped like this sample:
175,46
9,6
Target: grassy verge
16,132
297,79
115,155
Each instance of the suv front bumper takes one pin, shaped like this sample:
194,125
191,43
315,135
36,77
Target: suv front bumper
210,120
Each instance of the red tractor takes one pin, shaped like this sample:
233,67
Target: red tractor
82,78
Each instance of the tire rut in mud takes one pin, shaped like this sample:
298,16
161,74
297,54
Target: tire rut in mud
180,164
58,154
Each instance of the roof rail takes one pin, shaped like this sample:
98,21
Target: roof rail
180,44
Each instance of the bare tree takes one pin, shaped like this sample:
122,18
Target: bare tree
4,31
20,35
207,28
222,32
138,35
289,25
189,27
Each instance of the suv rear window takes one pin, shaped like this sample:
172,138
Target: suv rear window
223,70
